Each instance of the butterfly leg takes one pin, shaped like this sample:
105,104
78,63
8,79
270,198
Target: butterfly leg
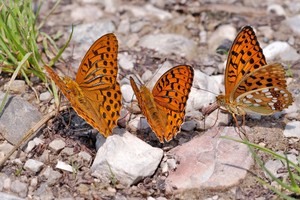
240,128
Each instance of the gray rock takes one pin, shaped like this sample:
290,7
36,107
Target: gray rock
111,6
124,26
126,158
292,129
68,151
5,148
170,44
294,23
86,34
45,96
17,86
273,166
5,196
20,188
2,178
209,161
44,192
33,165
189,126
85,156
51,175
17,118
57,145
137,26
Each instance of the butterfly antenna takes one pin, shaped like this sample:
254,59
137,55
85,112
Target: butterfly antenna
208,91
158,68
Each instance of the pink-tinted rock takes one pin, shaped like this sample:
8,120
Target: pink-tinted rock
209,162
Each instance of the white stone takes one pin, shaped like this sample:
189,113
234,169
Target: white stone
7,184
276,9
292,129
38,141
147,11
63,166
33,165
33,181
209,161
168,44
204,86
281,50
85,156
57,145
45,96
111,6
126,61
127,158
127,93
30,146
20,188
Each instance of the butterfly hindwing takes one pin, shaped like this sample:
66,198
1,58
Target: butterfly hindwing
263,91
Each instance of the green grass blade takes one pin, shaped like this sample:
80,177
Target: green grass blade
16,72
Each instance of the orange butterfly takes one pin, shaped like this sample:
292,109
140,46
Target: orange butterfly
95,94
164,108
252,86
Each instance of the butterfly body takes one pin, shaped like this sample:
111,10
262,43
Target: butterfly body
164,107
251,85
95,94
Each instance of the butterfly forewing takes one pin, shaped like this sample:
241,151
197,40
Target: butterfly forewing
99,69
172,89
244,57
